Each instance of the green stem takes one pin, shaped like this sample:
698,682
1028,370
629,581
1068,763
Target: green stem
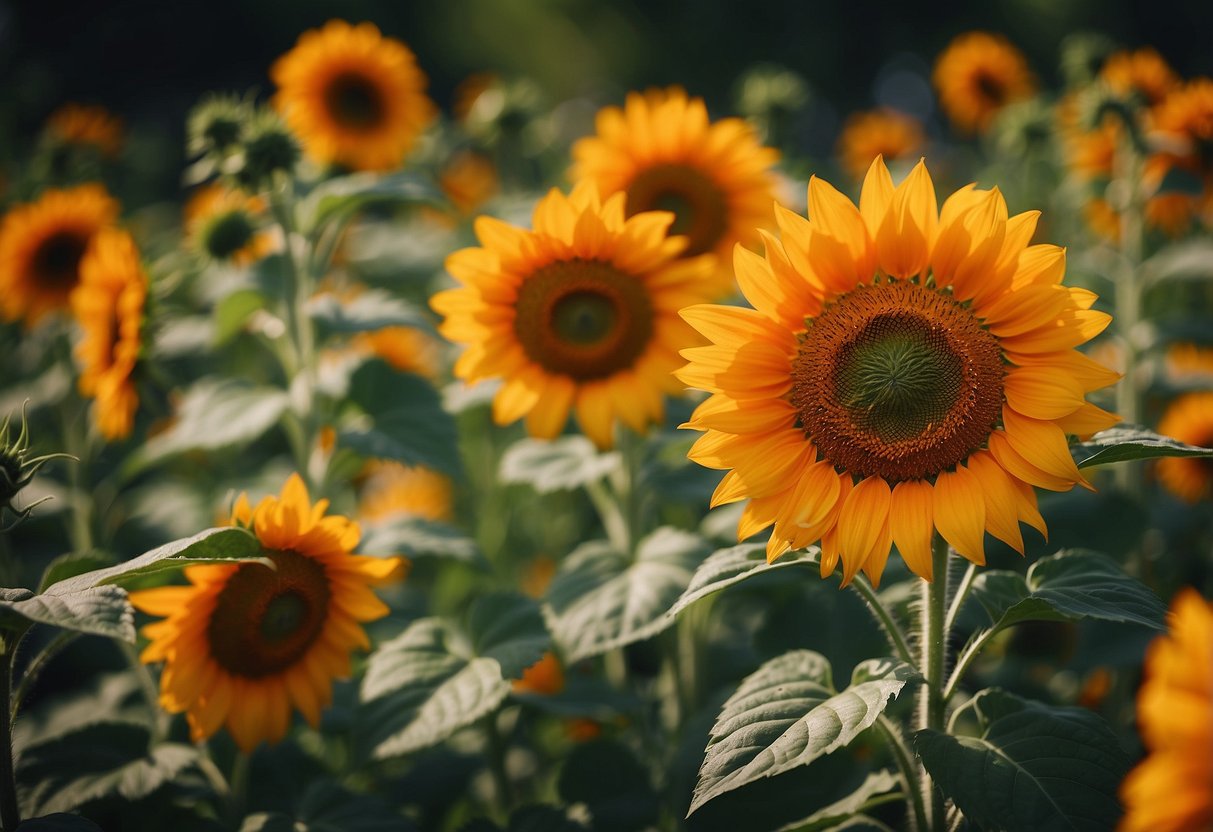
497,752
36,666
10,810
614,521
1127,309
238,788
909,770
934,658
151,691
897,638
971,651
958,598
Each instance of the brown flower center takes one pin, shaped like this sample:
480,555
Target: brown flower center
354,101
990,88
701,209
265,620
897,381
56,261
583,318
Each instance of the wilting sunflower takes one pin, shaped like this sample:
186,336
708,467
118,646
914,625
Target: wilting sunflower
41,244
223,223
244,643
979,74
1183,121
82,124
580,313
353,97
393,490
109,305
664,153
1189,419
903,371
1172,789
886,133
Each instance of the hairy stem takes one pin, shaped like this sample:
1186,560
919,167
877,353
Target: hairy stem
933,649
909,771
897,638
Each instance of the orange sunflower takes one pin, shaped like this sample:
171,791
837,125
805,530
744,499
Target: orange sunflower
82,124
1142,73
395,490
353,97
903,371
1189,419
244,644
406,348
41,244
886,133
580,313
1184,121
108,303
1172,789
664,153
223,223
979,74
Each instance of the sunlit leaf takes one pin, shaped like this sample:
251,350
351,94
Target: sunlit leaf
368,311
1129,442
341,197
417,538
726,567
556,465
102,611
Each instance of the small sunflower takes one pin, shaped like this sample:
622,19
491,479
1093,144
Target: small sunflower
223,223
664,154
903,371
1189,361
1172,789
1142,73
979,74
391,489
353,97
109,305
886,133
580,313
81,124
244,644
41,244
406,348
469,180
1189,419
1183,120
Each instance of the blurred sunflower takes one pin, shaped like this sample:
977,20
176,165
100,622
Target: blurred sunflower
391,490
82,124
544,678
580,313
243,644
903,371
406,348
109,305
1172,789
664,153
469,180
1189,418
1189,361
41,244
886,133
1183,121
1142,73
977,75
223,223
353,97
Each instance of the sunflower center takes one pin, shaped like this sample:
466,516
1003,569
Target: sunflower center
583,318
990,88
227,233
701,210
56,261
354,101
265,620
897,381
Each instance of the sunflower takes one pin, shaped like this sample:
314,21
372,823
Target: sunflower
544,678
580,313
662,151
82,124
1189,362
1183,121
979,74
406,348
222,222
886,133
243,643
391,489
902,371
109,305
41,244
1189,419
1172,789
354,97
469,180
1142,73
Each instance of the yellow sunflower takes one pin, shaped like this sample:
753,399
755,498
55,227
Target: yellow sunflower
469,180
903,371
886,133
223,223
1172,789
979,74
1142,73
406,348
664,153
353,97
391,489
1189,361
41,244
243,644
1189,419
82,124
580,313
109,304
1183,121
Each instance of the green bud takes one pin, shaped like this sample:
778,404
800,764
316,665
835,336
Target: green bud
17,469
226,233
267,148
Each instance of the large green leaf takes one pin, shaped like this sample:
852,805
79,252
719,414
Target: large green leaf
233,311
327,807
417,538
1068,586
560,464
786,714
1032,767
1129,442
508,628
735,564
1190,259
878,787
602,599
342,197
102,611
368,311
58,822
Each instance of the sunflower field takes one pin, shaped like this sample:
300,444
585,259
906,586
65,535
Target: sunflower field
484,419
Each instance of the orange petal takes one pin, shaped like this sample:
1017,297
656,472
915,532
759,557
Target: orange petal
908,230
861,522
1002,519
876,195
911,514
960,513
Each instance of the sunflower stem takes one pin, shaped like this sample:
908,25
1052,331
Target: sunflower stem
151,691
933,648
1127,308
958,597
909,770
897,638
10,810
238,787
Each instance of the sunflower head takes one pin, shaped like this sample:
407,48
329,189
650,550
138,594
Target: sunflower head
904,371
268,148
977,75
222,223
885,133
664,154
88,126
354,97
216,125
1142,75
1189,418
245,644
579,313
469,180
1183,123
390,490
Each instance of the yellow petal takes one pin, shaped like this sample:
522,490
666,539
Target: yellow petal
960,513
836,216
547,418
861,522
1042,392
876,195
911,513
908,230
1002,519
1043,444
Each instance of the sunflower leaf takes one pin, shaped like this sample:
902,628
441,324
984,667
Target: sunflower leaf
1129,442
369,311
58,822
563,464
726,567
786,714
878,787
102,611
343,196
1032,767
417,538
508,627
1187,260
602,599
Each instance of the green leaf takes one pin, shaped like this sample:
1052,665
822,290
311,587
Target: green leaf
102,611
417,538
233,311
786,714
509,628
726,567
328,807
876,785
405,419
1033,767
342,197
1186,260
1071,585
1179,181
1125,443
601,599
606,777
367,312
71,565
562,464
58,822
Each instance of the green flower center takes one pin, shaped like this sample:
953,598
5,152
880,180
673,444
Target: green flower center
584,318
224,235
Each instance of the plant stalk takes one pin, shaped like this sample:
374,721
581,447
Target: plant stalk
10,811
933,661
